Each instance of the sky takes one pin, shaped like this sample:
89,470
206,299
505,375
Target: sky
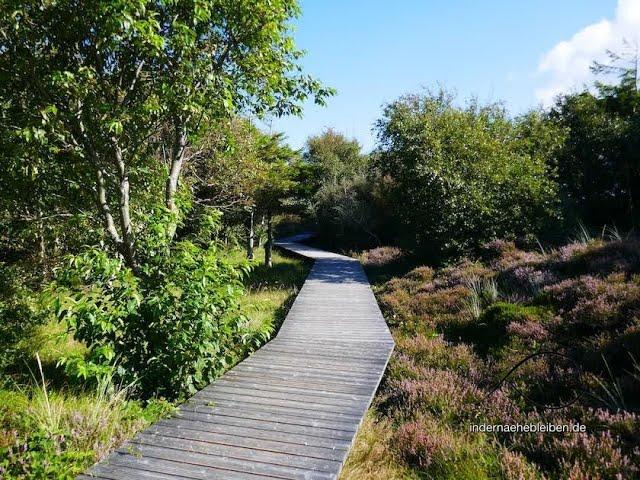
520,52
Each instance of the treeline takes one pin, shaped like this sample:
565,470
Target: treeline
445,179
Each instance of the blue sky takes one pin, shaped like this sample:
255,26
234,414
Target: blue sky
518,51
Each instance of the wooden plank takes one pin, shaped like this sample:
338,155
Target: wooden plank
254,433
211,454
268,426
290,410
288,446
283,417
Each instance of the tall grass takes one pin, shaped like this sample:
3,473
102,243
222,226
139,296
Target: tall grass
582,235
482,293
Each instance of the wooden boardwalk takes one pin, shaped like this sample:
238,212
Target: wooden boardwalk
289,411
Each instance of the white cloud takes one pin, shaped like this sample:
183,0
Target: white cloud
566,66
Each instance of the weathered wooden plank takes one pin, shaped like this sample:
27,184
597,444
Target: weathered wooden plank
289,411
281,416
291,408
289,446
211,453
254,433
309,397
267,426
315,390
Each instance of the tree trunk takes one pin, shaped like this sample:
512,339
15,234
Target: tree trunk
109,224
177,160
250,236
259,235
269,245
127,246
42,248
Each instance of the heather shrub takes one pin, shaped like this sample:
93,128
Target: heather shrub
435,352
585,456
595,302
401,366
460,273
524,282
515,466
496,248
420,274
490,332
428,445
502,255
623,424
439,392
420,305
380,256
600,258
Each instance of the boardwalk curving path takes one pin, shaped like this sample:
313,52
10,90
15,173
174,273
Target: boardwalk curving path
289,411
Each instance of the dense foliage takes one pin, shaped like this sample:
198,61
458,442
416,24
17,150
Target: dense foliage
339,191
599,165
114,99
462,176
169,332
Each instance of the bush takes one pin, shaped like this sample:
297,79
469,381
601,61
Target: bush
463,176
445,453
595,303
170,331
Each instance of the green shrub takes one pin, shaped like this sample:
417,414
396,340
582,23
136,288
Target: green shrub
169,331
463,176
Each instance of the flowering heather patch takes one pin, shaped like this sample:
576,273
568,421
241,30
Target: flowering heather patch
528,330
622,423
460,274
439,392
524,282
598,258
417,446
440,451
585,456
420,306
380,256
515,466
594,301
503,255
568,252
497,248
435,352
581,300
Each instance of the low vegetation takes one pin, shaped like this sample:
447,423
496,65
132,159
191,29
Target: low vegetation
55,425
571,314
